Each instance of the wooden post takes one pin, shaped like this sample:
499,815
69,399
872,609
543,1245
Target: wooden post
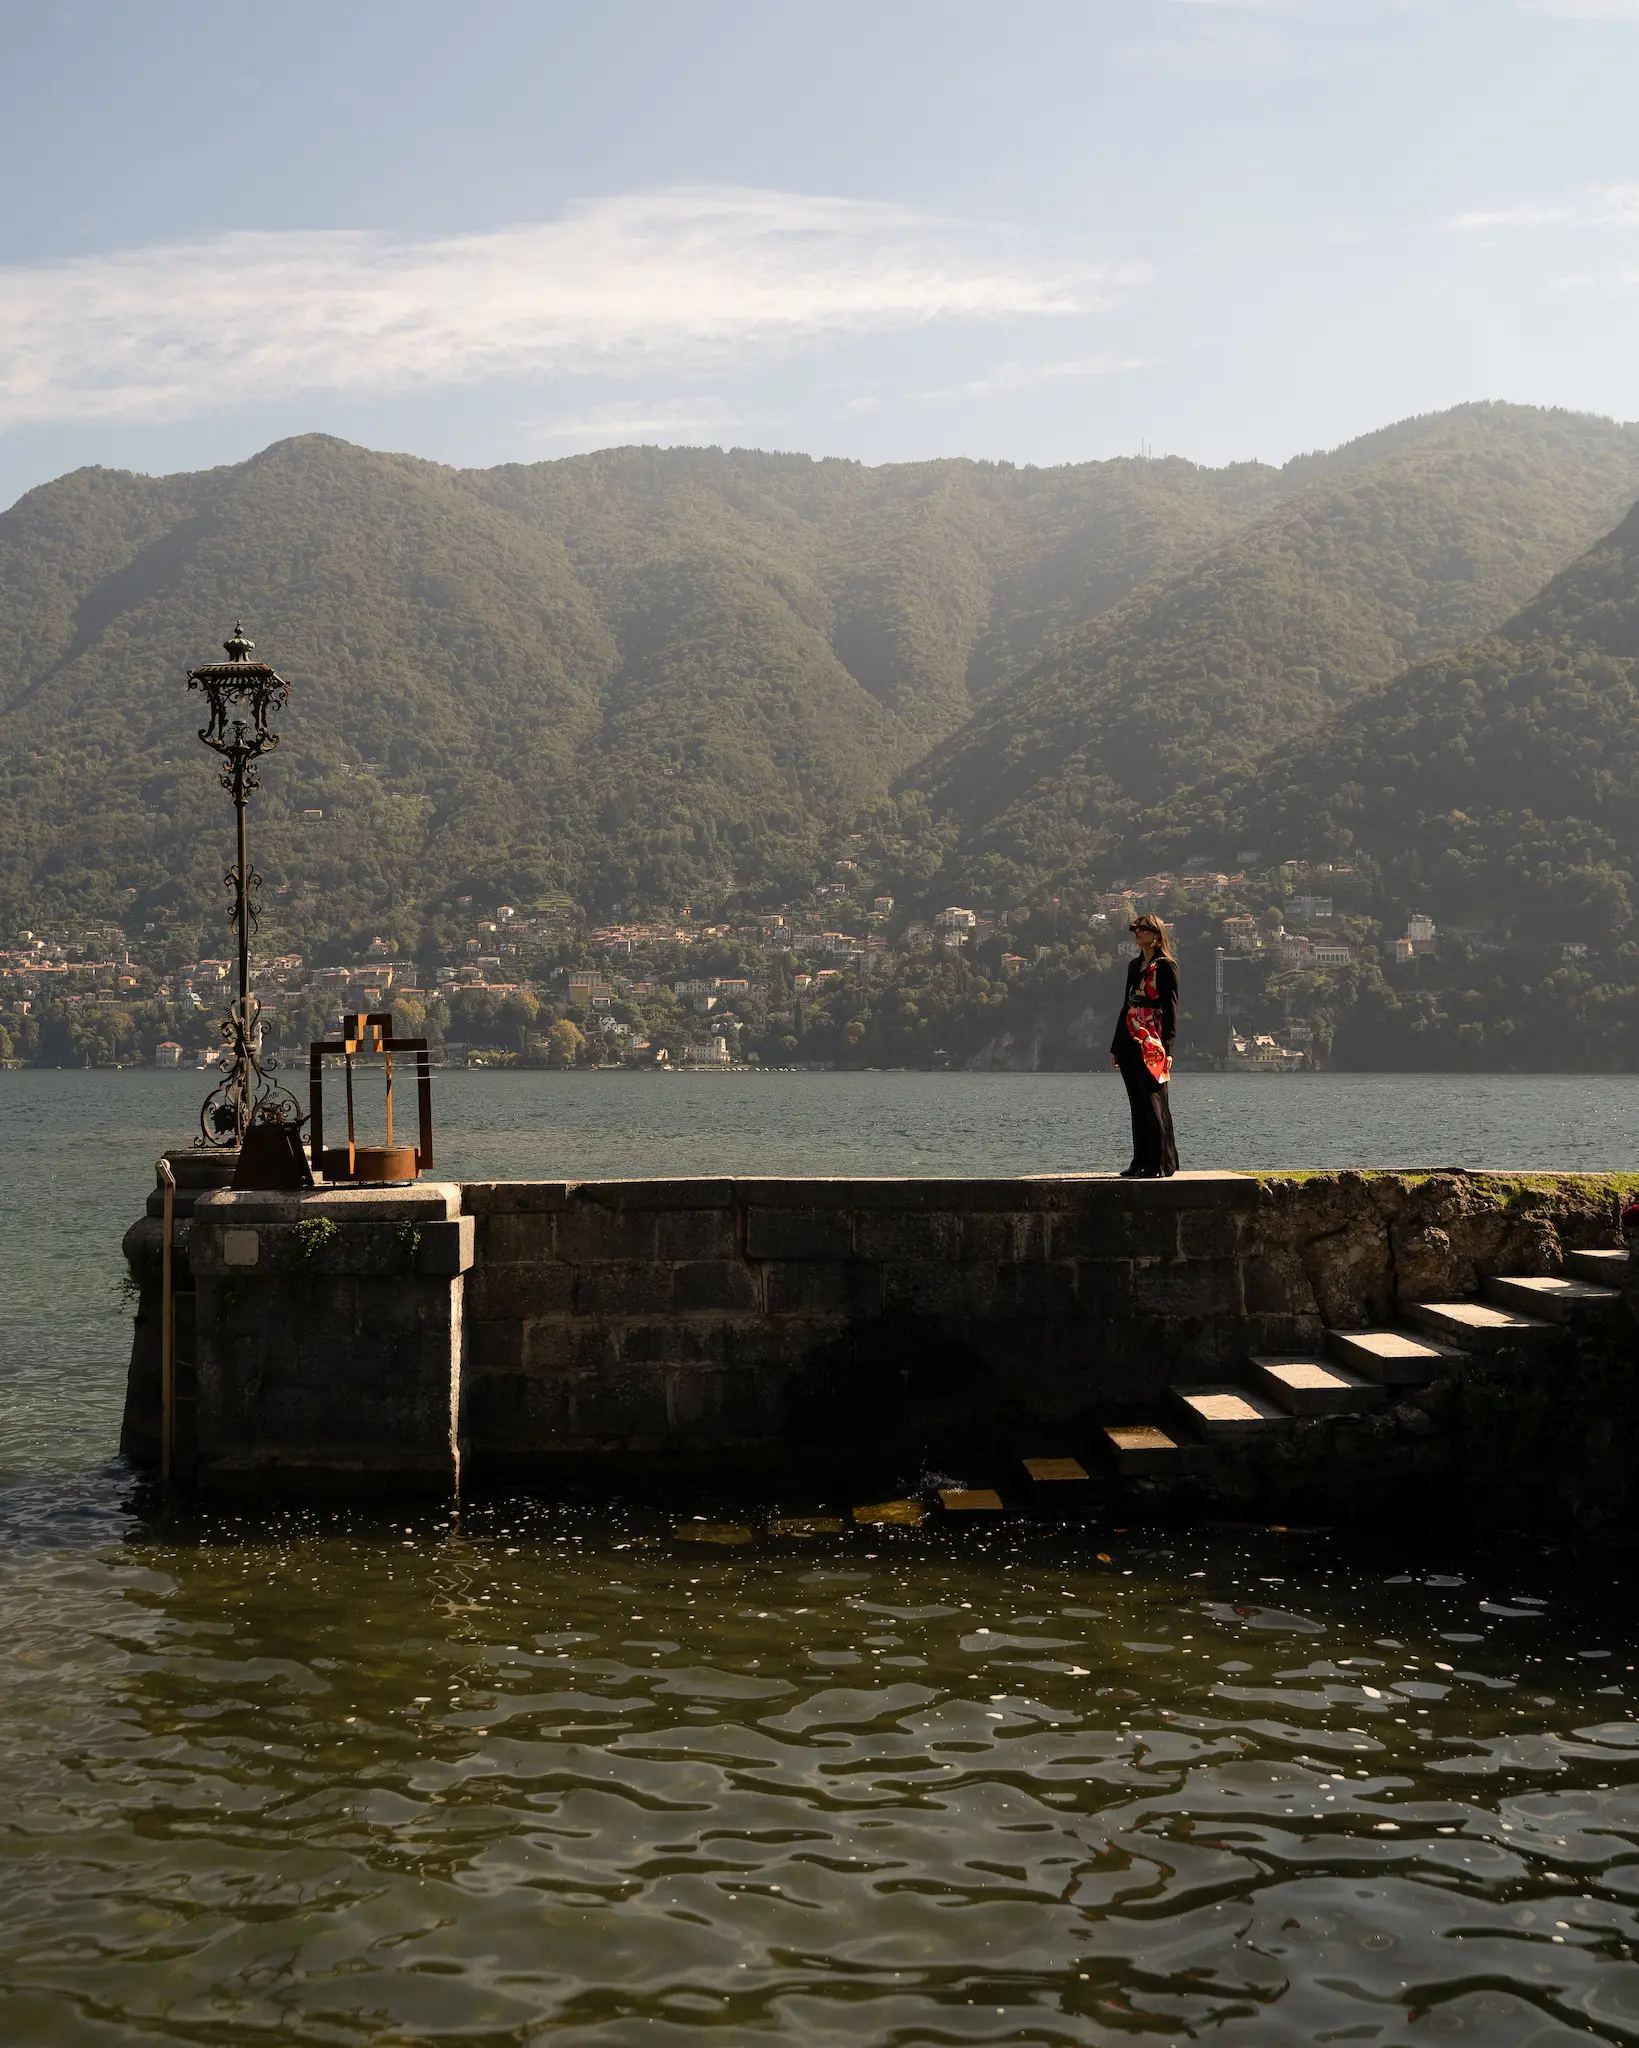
167,1329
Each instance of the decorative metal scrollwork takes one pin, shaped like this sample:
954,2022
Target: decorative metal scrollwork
232,686
250,897
241,696
248,1091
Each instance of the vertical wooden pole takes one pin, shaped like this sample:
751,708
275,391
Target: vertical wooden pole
167,1330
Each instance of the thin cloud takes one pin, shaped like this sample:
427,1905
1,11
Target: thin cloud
1006,377
1586,10
676,279
637,420
1621,281
1608,206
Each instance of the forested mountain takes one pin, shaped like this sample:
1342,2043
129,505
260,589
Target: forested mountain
631,676
1497,786
644,677
1369,567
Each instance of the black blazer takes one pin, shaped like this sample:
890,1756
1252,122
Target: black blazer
1166,990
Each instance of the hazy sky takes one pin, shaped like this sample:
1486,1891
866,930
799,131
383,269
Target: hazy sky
1019,229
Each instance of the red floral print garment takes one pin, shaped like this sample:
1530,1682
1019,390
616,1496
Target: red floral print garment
1144,1022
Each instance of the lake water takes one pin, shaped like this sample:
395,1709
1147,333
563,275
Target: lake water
570,1772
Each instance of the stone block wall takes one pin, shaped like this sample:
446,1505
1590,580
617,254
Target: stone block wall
628,1326
786,1320
327,1338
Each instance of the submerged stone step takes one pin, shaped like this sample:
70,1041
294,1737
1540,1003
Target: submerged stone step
1556,1297
1141,1447
1392,1358
1314,1386
1053,1471
1482,1326
1216,1412
1608,1268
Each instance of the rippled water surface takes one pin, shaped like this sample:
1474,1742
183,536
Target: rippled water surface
555,1771
535,1774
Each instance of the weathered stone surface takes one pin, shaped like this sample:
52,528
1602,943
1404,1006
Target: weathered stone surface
1275,1282
518,1288
514,1197
698,1233
835,1287
1604,1268
674,1340
564,1344
1140,1447
626,1404
623,1287
1226,1411
907,1234
445,1245
1478,1326
494,1349
776,1233
503,1409
1035,1291
954,1294
722,1407
1313,1386
1393,1357
1096,1231
590,1230
989,1237
773,1317
326,1357
707,1284
1210,1233
1188,1287
1426,1264
1554,1296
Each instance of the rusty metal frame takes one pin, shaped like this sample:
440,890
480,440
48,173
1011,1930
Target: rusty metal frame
367,1033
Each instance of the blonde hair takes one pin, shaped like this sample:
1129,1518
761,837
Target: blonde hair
1157,925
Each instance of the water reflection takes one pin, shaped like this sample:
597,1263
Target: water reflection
534,1773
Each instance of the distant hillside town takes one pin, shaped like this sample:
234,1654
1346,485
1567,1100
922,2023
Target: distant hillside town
846,978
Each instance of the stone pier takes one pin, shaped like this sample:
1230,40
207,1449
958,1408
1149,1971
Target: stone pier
776,1329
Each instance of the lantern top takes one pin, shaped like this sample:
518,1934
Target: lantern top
238,671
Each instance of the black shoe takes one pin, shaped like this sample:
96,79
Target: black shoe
1131,1173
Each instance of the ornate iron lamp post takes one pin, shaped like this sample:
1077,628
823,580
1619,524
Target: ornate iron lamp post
242,695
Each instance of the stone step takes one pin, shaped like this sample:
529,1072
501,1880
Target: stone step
1392,1358
1609,1269
1224,1412
1482,1326
1557,1298
1314,1386
1054,1471
1141,1448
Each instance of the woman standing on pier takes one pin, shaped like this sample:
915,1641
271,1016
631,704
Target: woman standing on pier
1142,1050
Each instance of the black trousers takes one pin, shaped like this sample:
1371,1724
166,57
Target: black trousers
1155,1150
